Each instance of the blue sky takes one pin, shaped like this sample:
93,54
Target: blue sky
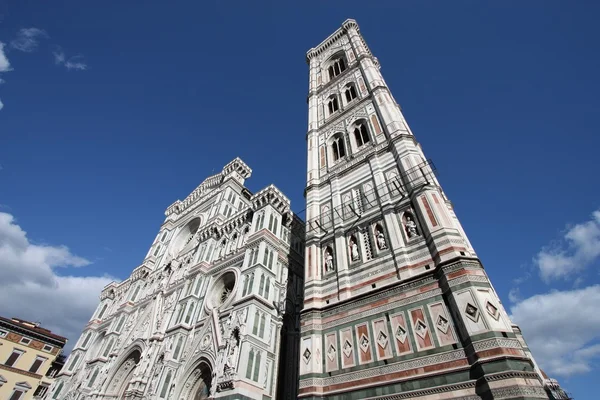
111,112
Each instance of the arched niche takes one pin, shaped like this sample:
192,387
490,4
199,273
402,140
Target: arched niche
354,247
410,226
380,237
328,259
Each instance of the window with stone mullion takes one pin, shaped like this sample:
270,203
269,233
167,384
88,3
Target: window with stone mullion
261,286
256,367
250,364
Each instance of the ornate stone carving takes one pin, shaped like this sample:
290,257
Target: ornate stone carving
328,259
411,227
380,237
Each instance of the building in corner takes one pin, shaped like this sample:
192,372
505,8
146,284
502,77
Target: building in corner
27,354
397,304
213,311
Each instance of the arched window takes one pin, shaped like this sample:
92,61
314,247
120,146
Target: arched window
256,367
256,321
190,312
198,286
57,391
261,285
93,378
333,105
135,293
101,314
73,363
165,388
86,340
261,331
350,93
178,348
267,288
361,135
249,366
108,348
337,145
336,68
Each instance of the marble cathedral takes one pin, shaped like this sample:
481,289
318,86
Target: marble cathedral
212,311
378,295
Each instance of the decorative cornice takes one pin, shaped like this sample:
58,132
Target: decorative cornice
235,166
384,369
331,39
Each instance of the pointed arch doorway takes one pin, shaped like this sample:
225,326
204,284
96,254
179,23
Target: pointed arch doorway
120,381
198,384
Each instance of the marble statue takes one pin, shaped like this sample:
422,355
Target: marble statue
411,227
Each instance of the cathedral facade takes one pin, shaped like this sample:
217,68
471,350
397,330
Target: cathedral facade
210,311
378,294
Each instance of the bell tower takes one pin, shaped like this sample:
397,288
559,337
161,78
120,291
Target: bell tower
396,299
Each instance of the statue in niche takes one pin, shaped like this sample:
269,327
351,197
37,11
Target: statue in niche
381,244
411,227
328,260
354,249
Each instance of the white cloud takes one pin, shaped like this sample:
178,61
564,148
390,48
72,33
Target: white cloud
562,328
4,67
75,62
28,39
31,289
579,247
4,64
514,296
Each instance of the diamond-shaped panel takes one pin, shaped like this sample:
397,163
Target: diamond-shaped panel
442,324
331,352
492,310
401,334
472,312
420,328
382,339
347,349
364,343
306,355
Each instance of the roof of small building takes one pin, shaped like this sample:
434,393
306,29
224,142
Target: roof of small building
32,327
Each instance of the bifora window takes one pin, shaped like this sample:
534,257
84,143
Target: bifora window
332,105
361,135
337,145
336,68
350,93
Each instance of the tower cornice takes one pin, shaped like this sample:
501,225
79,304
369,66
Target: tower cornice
331,39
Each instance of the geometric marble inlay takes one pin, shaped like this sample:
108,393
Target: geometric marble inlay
472,312
364,343
401,334
347,348
382,339
306,355
442,324
331,352
420,328
492,310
